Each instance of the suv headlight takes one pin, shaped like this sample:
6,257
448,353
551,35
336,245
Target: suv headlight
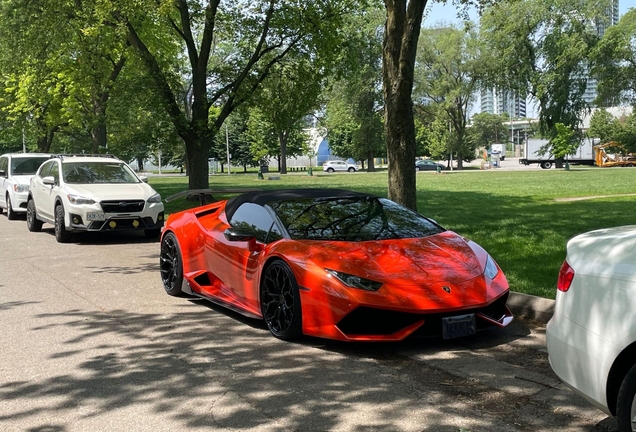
355,281
79,200
491,269
20,188
156,198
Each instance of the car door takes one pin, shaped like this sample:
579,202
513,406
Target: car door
340,166
4,180
43,194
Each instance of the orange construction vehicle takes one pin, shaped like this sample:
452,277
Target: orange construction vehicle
619,158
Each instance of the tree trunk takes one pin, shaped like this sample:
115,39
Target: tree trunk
98,136
282,139
140,163
198,175
402,30
370,161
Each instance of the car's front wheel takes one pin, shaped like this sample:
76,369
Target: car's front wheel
280,301
351,169
626,403
61,234
11,215
330,170
33,223
171,265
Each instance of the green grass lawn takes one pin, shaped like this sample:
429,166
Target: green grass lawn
515,215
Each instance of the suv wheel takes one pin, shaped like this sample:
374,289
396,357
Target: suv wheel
61,234
11,215
351,169
33,223
330,170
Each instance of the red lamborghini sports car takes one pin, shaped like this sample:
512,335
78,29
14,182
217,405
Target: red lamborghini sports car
334,264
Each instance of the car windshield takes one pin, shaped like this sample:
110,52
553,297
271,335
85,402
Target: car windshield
98,172
351,219
26,165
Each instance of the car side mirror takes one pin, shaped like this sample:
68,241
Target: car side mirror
48,180
143,179
239,234
243,234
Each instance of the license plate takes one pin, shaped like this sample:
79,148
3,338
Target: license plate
94,216
458,326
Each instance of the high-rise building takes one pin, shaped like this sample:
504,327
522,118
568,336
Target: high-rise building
502,102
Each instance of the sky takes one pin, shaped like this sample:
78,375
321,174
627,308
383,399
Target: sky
437,12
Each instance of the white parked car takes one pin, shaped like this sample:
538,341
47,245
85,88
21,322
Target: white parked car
337,165
88,193
592,335
16,170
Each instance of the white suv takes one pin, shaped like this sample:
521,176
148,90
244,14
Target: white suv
337,165
92,193
16,170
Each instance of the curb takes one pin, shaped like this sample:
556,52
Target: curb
529,306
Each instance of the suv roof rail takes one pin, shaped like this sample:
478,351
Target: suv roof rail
62,156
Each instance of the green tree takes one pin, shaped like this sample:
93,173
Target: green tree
603,126
565,141
354,106
614,62
448,72
231,49
543,52
488,128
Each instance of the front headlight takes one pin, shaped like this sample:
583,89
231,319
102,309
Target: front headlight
79,200
20,188
156,198
355,281
491,269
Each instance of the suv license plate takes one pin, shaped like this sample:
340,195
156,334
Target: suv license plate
94,216
458,326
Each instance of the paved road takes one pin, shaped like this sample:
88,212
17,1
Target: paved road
90,342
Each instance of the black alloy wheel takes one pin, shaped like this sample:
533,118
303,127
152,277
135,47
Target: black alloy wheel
626,403
280,301
11,215
171,265
33,223
61,234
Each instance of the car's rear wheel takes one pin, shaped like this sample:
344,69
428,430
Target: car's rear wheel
280,301
351,169
171,265
11,215
61,234
152,233
626,403
546,165
330,170
33,223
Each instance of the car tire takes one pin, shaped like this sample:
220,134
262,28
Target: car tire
330,170
546,165
629,165
280,301
419,168
1,210
11,215
171,265
33,223
626,403
61,234
152,233
351,169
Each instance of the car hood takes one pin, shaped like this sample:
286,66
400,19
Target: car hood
445,257
100,192
22,179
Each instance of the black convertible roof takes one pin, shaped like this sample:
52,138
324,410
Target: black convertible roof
265,197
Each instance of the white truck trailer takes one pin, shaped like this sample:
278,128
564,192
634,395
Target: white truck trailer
532,153
498,148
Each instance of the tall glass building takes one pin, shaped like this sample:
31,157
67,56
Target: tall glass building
500,101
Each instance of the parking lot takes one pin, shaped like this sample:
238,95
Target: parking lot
90,342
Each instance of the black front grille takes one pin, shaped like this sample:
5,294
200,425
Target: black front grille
123,206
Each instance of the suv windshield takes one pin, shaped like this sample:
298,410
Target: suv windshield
26,165
97,172
351,219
